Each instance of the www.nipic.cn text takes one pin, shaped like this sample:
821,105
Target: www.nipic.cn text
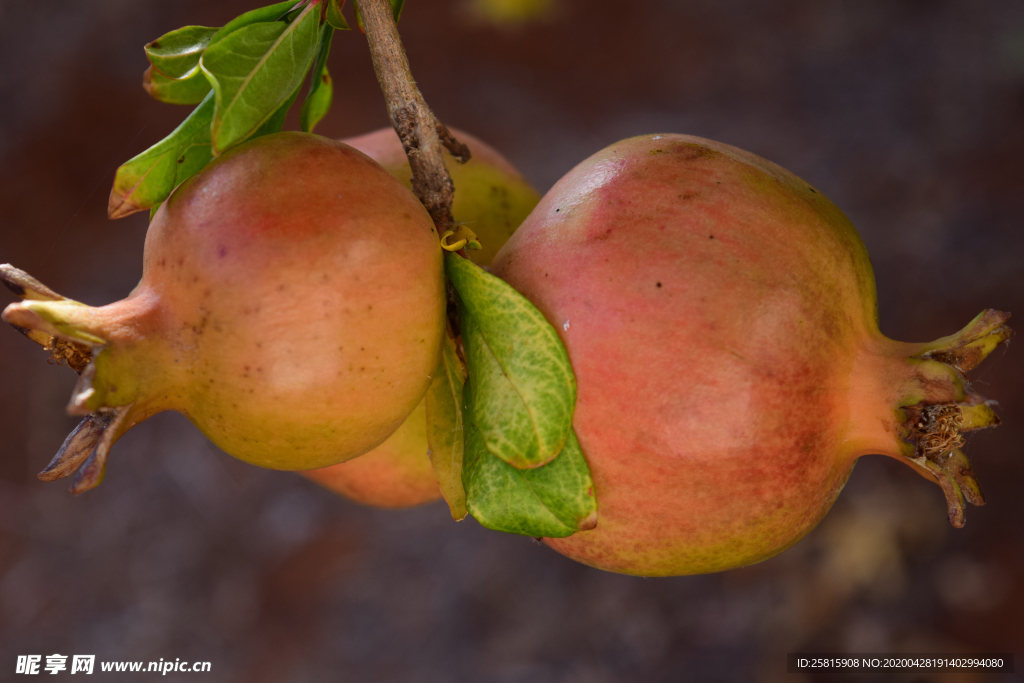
86,664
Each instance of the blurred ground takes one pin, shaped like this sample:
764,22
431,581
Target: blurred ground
908,113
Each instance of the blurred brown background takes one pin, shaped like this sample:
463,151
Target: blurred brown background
908,113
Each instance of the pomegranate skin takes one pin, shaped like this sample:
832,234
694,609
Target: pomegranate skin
396,474
492,198
720,316
292,306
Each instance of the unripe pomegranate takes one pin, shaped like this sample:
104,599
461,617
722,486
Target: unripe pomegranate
720,316
292,305
492,198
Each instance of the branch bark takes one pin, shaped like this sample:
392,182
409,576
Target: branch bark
422,135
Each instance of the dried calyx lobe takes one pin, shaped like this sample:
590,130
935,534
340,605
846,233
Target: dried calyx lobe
933,426
84,452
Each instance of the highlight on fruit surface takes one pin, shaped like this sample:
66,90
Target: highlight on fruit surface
720,316
292,306
492,198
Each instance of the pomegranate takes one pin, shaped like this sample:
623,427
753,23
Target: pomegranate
720,315
492,198
292,305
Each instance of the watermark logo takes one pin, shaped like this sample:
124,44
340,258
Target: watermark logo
28,664
86,664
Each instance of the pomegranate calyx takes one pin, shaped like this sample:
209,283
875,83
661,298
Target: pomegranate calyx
71,332
86,449
49,319
68,320
26,286
934,426
953,473
971,345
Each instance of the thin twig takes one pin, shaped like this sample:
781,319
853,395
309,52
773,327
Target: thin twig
422,135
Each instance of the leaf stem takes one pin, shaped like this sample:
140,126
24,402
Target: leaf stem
423,136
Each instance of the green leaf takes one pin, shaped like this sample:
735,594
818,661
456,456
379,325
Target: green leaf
254,70
176,54
274,12
334,16
321,88
189,90
555,500
359,17
444,427
396,9
147,179
526,391
276,122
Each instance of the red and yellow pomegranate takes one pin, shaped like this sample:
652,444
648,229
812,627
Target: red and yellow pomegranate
492,198
292,305
720,316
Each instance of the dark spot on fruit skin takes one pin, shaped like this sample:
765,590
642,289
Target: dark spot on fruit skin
222,252
691,151
325,78
658,285
155,44
711,237
812,189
